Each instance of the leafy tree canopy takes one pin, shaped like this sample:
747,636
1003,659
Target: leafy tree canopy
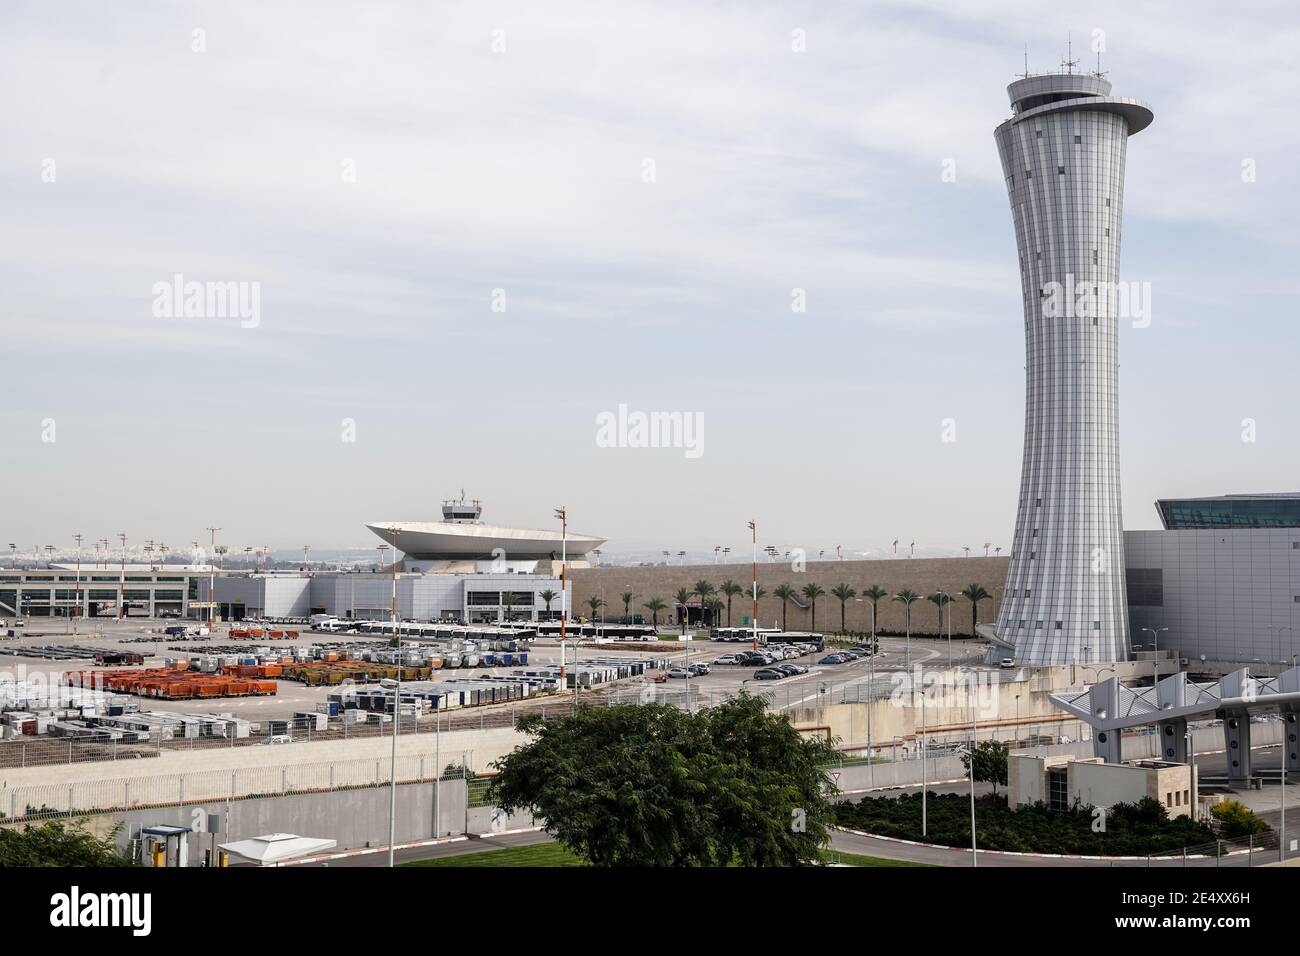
653,785
55,843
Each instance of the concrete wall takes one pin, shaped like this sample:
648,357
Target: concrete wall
923,575
480,747
354,818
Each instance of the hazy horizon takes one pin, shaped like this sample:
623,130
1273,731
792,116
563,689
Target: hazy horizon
478,231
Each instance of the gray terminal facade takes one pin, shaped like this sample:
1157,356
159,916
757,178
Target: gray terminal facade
1063,153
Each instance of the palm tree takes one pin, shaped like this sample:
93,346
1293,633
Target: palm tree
844,593
730,588
654,606
704,590
715,608
683,597
974,593
812,592
548,596
508,600
939,599
785,592
628,598
907,597
595,602
874,594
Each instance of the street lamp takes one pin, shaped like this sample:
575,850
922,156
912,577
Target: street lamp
397,710
1155,637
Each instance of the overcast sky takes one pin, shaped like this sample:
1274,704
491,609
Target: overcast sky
381,168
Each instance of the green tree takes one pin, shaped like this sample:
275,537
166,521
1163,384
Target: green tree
844,593
595,602
990,762
974,593
628,598
55,843
1236,820
730,588
508,600
812,592
907,597
874,595
703,590
785,592
653,785
654,606
939,599
683,598
548,596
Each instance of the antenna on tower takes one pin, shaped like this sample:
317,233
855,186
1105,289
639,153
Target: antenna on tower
1025,75
1070,62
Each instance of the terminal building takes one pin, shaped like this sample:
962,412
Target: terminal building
134,590
458,569
1221,582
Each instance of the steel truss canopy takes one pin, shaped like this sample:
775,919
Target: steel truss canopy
1110,705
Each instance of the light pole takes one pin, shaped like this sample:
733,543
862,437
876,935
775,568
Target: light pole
562,514
925,783
121,581
397,711
1155,637
753,569
78,611
974,852
212,581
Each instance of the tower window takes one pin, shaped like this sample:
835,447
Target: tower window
1060,170
1058,625
1107,202
1029,174
1096,625
1038,625
1078,138
1094,257
1038,134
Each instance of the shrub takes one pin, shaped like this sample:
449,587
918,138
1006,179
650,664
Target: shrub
1236,820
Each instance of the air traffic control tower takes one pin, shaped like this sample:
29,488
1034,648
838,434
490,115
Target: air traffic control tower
1063,154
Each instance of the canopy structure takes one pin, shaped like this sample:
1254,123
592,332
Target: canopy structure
275,848
1110,708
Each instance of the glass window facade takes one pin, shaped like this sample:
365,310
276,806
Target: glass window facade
1261,512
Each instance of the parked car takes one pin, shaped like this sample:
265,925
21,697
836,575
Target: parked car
787,669
277,739
798,668
726,659
832,659
768,673
699,668
679,672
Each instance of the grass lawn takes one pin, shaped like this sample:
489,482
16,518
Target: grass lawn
538,854
857,859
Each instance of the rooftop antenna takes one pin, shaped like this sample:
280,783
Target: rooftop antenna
1025,75
1099,74
1070,62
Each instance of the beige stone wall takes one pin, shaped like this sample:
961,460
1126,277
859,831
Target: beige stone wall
923,575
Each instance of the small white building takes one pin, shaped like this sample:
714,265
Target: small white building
1063,781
